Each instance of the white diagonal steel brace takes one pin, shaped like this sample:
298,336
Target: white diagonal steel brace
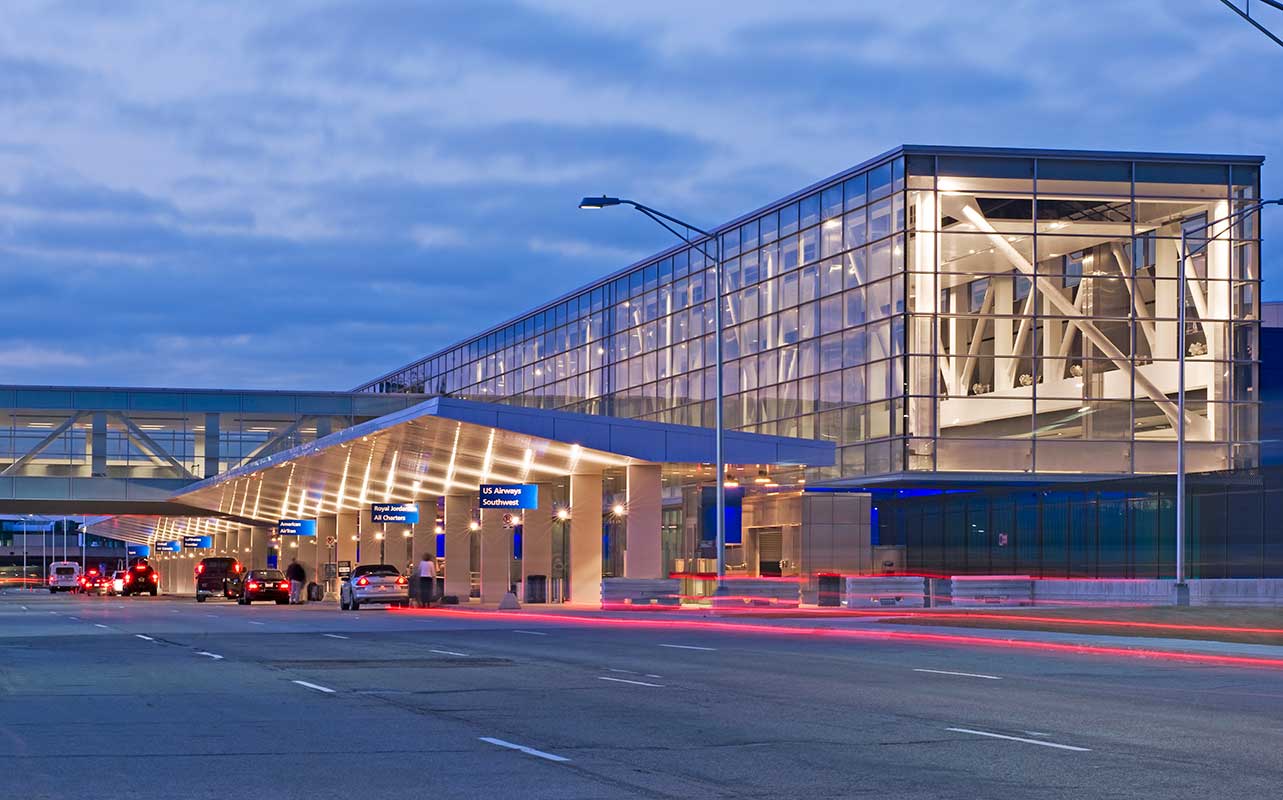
1066,307
52,437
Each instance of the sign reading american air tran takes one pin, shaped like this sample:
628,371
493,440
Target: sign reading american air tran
296,527
509,496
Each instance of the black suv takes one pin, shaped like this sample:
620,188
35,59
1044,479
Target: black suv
141,578
213,575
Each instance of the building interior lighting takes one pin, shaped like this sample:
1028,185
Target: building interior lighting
617,509
563,514
473,525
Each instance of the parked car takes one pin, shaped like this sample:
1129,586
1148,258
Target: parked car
118,581
212,576
374,583
64,576
262,584
141,578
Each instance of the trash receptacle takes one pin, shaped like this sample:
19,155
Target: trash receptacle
536,588
830,594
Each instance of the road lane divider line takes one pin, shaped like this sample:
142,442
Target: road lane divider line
532,633
449,653
1021,739
960,674
687,647
144,638
99,625
77,619
252,622
214,656
336,636
634,683
315,686
530,751
24,608
624,671
652,675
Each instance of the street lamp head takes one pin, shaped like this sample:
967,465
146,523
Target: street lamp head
599,202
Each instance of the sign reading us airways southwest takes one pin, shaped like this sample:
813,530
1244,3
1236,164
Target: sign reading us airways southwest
198,542
407,513
169,547
296,527
515,495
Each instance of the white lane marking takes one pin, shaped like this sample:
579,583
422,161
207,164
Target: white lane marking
960,674
77,619
118,605
1021,739
336,636
24,608
532,633
687,647
530,751
214,656
212,616
317,687
624,671
634,683
448,653
652,675
99,625
173,611
252,622
144,638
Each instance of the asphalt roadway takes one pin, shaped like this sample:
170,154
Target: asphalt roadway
167,698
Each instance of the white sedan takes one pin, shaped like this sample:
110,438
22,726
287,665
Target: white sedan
374,583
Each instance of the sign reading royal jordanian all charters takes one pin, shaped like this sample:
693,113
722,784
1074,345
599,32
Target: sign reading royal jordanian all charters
404,513
511,496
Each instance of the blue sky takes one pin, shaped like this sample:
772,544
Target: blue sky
306,195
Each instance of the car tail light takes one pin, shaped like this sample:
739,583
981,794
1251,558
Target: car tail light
140,568
362,581
401,581
155,578
253,586
200,568
128,577
285,585
236,567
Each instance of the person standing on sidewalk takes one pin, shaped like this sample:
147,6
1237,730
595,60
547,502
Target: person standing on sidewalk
297,576
427,580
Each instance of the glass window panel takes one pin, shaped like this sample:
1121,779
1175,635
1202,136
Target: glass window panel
809,245
769,227
855,190
832,201
879,181
788,219
856,230
830,238
809,210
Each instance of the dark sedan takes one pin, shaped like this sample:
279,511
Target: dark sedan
262,584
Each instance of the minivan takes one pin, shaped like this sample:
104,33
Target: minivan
64,576
212,576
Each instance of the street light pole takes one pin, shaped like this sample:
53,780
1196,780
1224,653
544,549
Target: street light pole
718,421
1182,591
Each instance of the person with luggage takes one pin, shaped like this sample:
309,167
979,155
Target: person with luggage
297,577
427,583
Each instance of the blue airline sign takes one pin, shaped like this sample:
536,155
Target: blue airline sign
169,547
198,542
405,513
296,527
509,496
137,551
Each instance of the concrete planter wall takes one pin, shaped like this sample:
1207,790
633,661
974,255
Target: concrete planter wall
750,593
882,591
641,592
1265,592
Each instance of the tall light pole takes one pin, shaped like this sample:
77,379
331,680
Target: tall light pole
663,219
1182,596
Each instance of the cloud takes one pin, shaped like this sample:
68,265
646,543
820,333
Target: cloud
294,195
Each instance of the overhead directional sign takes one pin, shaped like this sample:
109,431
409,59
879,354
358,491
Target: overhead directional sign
169,547
198,542
405,513
296,527
137,551
509,496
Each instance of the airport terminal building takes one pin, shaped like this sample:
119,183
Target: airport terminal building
943,360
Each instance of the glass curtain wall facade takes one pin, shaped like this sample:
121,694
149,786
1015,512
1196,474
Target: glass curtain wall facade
933,310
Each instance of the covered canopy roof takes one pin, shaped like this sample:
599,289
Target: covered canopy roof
445,445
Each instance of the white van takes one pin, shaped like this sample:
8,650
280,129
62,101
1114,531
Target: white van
64,576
